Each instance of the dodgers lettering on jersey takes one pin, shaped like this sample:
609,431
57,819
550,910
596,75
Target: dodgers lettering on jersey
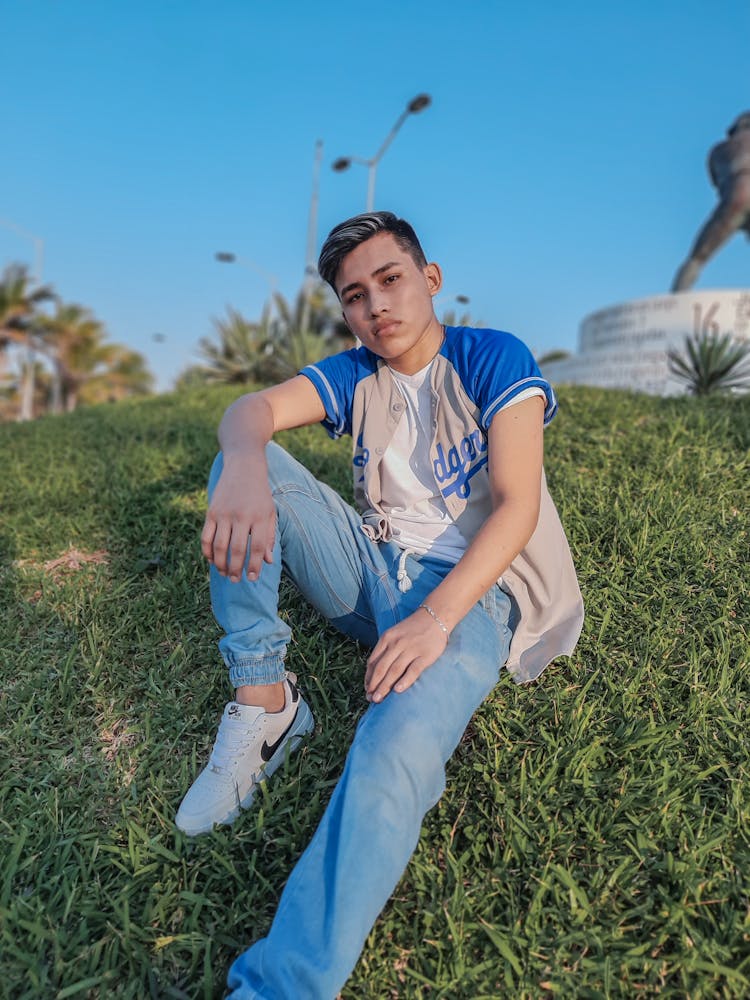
462,461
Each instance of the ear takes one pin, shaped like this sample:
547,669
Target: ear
434,277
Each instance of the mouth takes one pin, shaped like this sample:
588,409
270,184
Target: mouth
383,329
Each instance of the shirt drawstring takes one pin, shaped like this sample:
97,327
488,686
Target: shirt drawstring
402,577
377,527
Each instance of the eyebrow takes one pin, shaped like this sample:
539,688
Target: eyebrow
375,273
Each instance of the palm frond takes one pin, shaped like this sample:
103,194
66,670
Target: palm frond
277,346
711,363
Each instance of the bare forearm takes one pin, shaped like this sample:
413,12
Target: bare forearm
241,506
246,427
251,421
502,536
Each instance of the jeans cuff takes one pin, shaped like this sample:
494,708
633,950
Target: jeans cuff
257,670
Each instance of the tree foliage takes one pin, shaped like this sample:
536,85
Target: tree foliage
18,302
287,337
451,317
80,364
556,354
19,306
711,363
237,354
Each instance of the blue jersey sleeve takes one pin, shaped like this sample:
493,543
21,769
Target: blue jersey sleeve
495,367
335,378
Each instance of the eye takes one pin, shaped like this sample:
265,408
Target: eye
353,297
391,278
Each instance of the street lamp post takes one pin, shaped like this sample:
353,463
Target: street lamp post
417,104
312,235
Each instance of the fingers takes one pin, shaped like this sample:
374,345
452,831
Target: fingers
241,510
224,543
237,550
207,537
268,554
372,660
222,539
260,546
401,654
398,675
411,674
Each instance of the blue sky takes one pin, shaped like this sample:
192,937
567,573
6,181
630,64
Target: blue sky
559,169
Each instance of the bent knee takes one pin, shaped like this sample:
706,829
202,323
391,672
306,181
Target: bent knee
284,471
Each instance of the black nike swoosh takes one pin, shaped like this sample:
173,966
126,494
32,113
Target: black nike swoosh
267,751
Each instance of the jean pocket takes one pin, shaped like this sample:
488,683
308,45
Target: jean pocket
498,606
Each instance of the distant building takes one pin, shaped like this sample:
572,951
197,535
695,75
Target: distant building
625,346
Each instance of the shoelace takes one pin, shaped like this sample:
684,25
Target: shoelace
226,747
225,750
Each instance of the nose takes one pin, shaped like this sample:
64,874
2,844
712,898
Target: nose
378,303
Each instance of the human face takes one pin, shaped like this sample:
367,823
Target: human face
387,302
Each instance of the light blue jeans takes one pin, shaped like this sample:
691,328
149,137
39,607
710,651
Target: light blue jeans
395,770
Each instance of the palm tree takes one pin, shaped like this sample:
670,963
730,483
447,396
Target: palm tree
75,344
12,388
86,368
191,377
242,350
452,318
125,375
10,397
276,347
556,354
19,305
302,331
711,363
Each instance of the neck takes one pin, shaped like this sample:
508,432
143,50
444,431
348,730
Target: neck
422,353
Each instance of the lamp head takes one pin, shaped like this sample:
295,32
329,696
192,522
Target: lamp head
418,103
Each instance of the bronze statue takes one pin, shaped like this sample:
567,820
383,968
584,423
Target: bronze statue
729,167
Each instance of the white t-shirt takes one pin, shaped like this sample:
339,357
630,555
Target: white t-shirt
411,497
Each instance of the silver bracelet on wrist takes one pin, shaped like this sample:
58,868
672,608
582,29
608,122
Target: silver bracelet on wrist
442,625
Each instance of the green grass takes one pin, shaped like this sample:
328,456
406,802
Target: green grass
594,840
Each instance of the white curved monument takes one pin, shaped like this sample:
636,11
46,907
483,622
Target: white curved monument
625,346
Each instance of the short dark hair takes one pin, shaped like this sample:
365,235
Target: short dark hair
348,235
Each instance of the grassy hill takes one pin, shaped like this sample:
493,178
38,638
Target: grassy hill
594,840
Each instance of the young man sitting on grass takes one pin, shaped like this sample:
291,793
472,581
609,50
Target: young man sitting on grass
455,563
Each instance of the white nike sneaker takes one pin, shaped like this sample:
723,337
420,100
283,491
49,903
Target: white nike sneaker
249,746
